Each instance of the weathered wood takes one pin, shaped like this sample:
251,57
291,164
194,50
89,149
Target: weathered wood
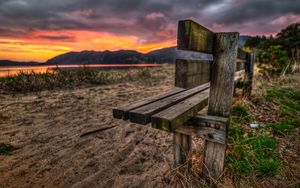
249,70
175,116
194,37
208,133
191,73
221,90
182,144
211,128
143,114
123,112
202,120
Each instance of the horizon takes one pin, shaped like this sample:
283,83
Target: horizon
31,31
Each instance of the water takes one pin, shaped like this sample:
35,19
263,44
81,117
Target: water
10,71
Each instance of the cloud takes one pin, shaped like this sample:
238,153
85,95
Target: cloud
58,37
148,20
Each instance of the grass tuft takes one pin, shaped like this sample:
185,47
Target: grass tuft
284,127
241,113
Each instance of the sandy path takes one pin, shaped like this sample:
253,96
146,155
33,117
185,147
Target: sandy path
46,127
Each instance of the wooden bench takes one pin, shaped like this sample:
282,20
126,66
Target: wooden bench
198,83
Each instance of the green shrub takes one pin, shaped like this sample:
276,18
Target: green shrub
274,61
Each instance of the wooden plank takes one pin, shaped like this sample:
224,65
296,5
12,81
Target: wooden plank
123,112
191,73
175,116
220,99
211,128
207,133
182,144
202,120
143,114
192,36
249,70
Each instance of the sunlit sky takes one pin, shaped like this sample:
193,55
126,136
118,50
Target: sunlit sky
36,30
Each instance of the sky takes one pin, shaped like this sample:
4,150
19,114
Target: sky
36,30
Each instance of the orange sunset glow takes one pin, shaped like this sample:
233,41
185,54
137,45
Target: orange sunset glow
38,49
35,31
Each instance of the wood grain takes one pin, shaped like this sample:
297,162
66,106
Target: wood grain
221,90
143,114
175,116
123,112
182,145
192,36
208,133
191,73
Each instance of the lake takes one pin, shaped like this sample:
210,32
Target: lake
13,70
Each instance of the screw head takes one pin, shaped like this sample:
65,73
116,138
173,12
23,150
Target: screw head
217,125
207,124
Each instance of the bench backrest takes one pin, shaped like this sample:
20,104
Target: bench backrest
194,37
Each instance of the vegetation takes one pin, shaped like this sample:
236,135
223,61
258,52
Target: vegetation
249,152
254,154
277,55
33,82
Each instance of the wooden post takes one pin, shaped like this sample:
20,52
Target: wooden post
182,144
249,69
220,99
193,37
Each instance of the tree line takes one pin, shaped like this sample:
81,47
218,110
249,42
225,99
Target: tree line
279,54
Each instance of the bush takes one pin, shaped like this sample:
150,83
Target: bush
274,61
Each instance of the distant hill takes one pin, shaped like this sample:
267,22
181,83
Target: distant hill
17,63
164,55
101,57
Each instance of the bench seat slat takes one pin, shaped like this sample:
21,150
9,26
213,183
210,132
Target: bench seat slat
143,114
175,116
122,112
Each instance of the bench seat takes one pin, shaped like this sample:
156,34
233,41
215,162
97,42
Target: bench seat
166,111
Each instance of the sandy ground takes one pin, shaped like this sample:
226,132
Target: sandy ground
45,129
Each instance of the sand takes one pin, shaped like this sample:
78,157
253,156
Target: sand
45,130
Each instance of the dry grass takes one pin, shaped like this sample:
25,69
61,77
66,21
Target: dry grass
35,82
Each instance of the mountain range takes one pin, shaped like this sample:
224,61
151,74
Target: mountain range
164,55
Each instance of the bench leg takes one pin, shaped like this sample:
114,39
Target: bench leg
182,146
214,159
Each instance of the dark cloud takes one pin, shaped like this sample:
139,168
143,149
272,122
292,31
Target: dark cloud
59,37
150,20
256,10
